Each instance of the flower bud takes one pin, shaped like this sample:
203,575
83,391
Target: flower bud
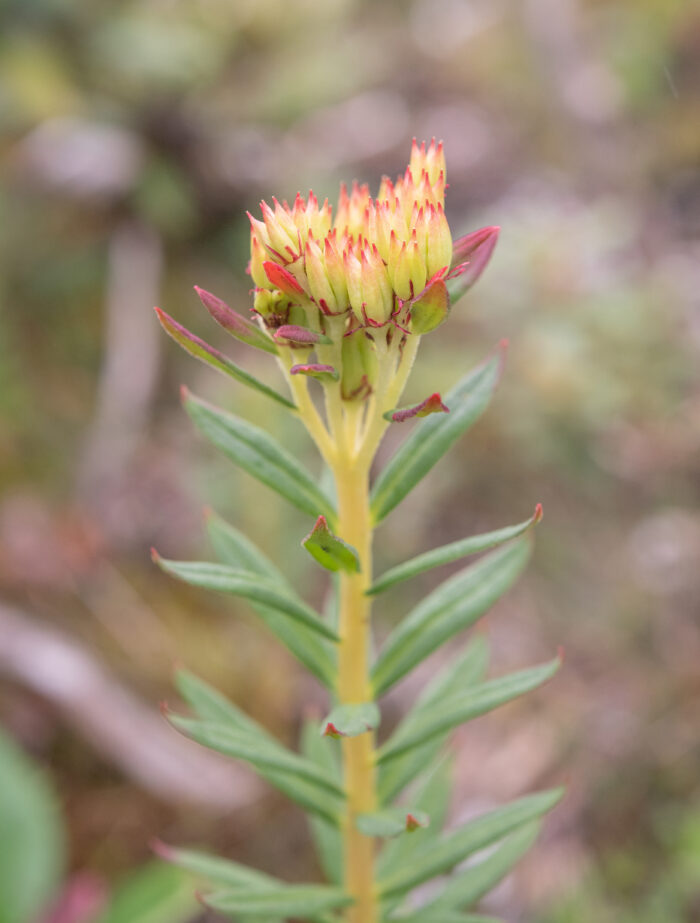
377,296
319,282
439,243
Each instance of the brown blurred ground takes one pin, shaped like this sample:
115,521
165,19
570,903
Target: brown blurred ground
134,136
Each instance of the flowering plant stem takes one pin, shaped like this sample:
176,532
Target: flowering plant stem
345,301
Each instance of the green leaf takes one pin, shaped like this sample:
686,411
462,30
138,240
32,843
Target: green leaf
451,712
329,550
289,901
259,454
327,838
248,585
433,437
445,916
432,797
236,550
203,351
154,894
211,705
454,605
464,671
351,720
471,884
390,822
32,839
452,552
234,323
279,765
214,869
452,849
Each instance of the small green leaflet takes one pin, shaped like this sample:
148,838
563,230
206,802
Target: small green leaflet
390,822
452,552
472,883
200,350
464,671
156,893
351,720
452,849
454,605
215,870
259,454
236,550
289,901
455,710
330,551
248,585
433,436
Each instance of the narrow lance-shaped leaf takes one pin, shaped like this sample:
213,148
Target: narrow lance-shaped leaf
470,256
351,720
329,550
315,370
235,549
200,350
298,901
234,323
258,454
464,671
457,709
293,335
468,886
247,585
433,436
452,552
256,749
453,606
327,838
477,834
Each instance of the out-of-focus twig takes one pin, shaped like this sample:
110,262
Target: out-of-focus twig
114,721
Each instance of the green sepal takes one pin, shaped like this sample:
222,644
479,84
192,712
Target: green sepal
203,351
234,323
433,436
248,585
465,670
453,848
461,707
351,720
232,547
431,309
391,822
452,552
259,454
298,901
330,551
454,605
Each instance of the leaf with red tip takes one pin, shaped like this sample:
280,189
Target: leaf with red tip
351,720
330,551
206,353
292,335
470,256
453,552
430,309
316,370
432,404
391,822
282,279
299,902
234,323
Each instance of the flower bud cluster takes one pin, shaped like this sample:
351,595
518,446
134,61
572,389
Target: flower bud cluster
370,261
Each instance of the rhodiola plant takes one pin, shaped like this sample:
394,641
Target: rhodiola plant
342,302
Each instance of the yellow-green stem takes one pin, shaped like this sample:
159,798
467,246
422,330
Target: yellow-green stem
354,525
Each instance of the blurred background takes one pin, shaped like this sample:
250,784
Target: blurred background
133,137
